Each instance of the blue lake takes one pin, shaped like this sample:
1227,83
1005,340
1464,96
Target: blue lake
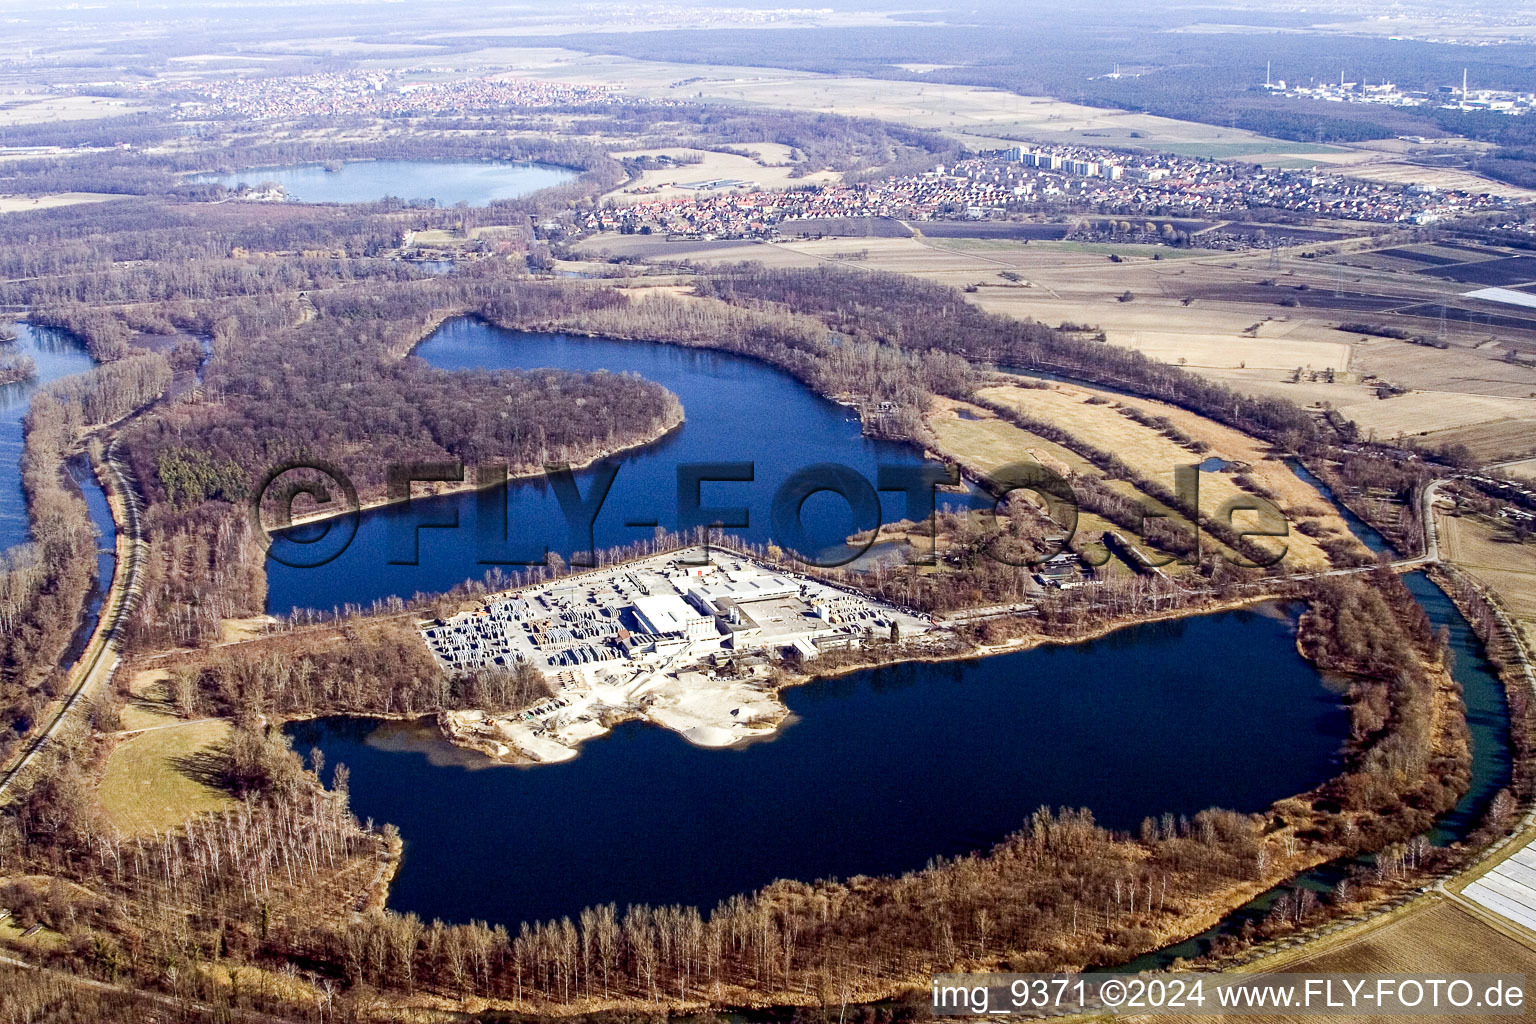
736,409
1492,765
878,771
476,182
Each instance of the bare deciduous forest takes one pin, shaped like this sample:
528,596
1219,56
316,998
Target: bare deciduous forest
233,336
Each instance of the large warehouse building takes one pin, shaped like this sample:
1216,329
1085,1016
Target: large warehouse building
668,613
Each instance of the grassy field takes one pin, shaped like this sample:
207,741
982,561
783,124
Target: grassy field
44,941
30,108
985,442
149,701
1432,937
1249,319
980,116
151,781
1494,437
1403,173
1152,455
1524,469
1488,553
1298,499
988,443
1237,150
770,170
1215,316
15,204
1122,249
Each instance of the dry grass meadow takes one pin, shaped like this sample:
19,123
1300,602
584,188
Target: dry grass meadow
1525,469
152,779
15,204
771,169
981,116
977,438
1431,937
1222,315
22,107
1489,553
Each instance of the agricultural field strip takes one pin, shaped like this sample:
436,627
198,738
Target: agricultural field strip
1509,890
1504,296
989,442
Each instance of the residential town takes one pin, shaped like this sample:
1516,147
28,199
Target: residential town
329,94
1058,180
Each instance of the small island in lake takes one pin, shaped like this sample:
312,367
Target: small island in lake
18,368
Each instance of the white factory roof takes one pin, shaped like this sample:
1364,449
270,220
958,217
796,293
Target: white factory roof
755,587
666,613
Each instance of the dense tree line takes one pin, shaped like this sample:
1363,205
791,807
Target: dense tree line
205,564
1407,764
160,910
333,387
30,995
1207,77
1382,490
44,583
800,344
1062,891
920,316
1505,654
15,369
155,251
364,668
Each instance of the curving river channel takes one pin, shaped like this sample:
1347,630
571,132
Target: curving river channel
57,354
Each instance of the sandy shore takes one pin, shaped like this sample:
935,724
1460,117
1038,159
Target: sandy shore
705,712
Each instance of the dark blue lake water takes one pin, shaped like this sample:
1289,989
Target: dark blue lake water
57,354
1217,710
1488,724
736,409
879,771
80,471
476,182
